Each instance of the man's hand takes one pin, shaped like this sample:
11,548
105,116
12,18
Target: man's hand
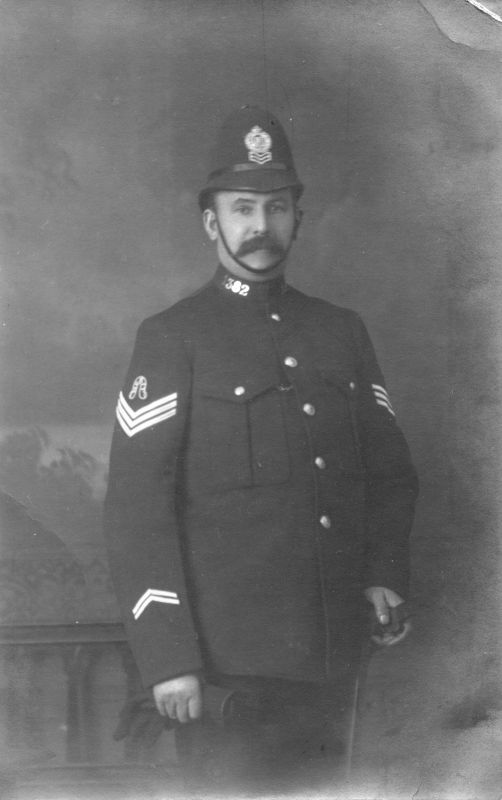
383,600
179,698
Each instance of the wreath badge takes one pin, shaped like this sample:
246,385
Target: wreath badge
258,143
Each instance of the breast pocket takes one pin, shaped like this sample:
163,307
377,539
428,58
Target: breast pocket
244,431
342,395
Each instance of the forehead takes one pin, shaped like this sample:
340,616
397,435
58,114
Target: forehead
255,198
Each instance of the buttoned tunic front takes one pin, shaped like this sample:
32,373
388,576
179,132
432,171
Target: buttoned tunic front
258,483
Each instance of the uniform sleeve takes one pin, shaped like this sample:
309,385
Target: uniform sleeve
391,480
141,527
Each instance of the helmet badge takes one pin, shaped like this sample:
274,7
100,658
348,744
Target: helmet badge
258,143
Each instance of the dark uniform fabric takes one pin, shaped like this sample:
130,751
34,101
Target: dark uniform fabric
258,483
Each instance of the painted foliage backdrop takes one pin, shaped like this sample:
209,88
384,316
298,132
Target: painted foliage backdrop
108,109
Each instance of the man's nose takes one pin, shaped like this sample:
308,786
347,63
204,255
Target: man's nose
260,221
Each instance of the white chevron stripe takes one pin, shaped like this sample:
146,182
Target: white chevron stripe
260,159
149,407
141,426
386,405
150,593
171,600
138,609
376,388
133,422
148,414
381,396
154,596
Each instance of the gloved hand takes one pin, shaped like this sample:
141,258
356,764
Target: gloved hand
140,721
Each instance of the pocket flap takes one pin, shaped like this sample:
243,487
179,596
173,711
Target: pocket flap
343,380
239,389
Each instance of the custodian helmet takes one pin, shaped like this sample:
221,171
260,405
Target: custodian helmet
252,154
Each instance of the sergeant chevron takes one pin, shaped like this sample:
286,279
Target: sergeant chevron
382,398
147,416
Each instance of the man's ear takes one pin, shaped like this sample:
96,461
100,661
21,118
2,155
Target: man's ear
298,219
210,223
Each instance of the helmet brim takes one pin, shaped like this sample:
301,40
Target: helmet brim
262,180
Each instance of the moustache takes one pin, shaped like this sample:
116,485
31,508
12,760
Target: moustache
260,243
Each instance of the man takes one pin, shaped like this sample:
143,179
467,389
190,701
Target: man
259,488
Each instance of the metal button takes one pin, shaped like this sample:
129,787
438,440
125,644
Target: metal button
290,361
352,385
239,390
309,409
320,462
275,317
325,521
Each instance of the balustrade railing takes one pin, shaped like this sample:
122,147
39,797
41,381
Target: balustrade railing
44,666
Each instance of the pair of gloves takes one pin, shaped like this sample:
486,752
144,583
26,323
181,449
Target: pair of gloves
140,721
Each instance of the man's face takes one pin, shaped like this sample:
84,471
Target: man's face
257,228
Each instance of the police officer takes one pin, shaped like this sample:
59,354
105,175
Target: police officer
260,490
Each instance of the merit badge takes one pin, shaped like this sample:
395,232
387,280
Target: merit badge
382,398
258,143
139,388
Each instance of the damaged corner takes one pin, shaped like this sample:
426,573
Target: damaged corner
471,23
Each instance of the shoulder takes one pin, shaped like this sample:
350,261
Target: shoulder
324,310
176,319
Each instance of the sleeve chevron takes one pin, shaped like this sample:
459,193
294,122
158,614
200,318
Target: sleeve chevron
133,422
382,398
154,596
141,523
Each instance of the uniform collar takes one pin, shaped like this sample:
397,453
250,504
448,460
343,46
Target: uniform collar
252,291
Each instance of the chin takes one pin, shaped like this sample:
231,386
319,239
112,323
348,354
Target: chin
262,262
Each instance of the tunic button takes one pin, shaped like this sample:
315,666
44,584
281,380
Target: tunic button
309,409
275,317
239,390
290,361
320,462
325,521
352,385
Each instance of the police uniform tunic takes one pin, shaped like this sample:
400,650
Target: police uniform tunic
258,483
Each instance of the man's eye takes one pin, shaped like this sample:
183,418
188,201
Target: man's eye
243,210
277,208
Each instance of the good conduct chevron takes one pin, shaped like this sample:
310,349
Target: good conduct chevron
154,596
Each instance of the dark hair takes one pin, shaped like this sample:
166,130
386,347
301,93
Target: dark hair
206,200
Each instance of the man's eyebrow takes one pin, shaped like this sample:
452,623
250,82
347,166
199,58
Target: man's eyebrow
244,200
253,201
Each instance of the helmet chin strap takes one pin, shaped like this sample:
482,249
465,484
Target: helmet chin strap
254,270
